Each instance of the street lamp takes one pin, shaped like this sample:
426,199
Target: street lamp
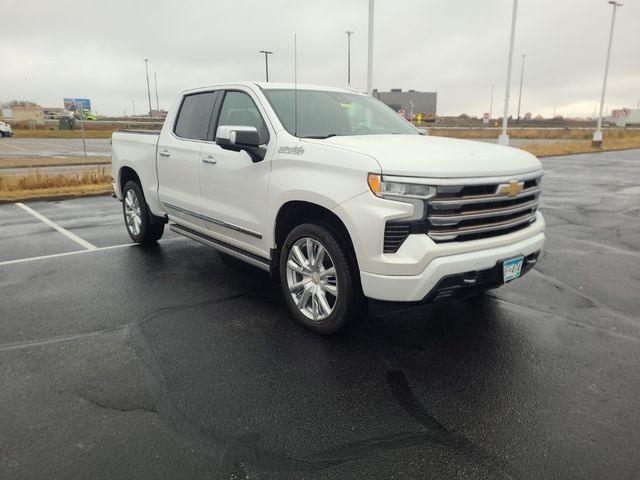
146,66
349,33
266,61
520,94
370,51
155,77
503,139
597,135
491,104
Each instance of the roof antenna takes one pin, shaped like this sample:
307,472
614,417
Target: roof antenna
295,84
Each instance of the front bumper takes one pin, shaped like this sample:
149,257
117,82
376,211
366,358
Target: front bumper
425,285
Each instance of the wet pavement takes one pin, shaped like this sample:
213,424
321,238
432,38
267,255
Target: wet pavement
53,147
121,361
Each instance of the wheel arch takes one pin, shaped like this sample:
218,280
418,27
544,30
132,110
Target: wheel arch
297,212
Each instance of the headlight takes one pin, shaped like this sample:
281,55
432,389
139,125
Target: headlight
382,188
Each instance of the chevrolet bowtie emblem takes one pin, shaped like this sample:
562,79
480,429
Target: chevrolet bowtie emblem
512,188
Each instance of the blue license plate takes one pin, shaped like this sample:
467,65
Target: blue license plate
511,269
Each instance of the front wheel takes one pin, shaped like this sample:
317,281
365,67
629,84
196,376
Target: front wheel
137,217
320,285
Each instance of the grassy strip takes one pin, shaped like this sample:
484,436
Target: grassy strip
63,133
549,150
35,162
17,187
542,133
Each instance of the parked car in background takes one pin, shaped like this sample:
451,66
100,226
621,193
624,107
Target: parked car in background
85,114
5,130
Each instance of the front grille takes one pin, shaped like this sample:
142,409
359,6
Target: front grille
470,212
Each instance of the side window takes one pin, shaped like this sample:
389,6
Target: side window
195,115
238,109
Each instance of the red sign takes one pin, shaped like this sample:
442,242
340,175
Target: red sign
401,112
485,116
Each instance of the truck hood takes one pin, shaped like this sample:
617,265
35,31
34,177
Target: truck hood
438,157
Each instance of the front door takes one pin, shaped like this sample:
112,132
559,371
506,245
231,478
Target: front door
233,188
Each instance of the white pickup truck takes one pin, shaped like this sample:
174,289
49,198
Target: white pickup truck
334,194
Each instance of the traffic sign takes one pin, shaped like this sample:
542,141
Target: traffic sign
419,117
401,112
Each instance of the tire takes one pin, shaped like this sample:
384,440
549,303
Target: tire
137,218
323,302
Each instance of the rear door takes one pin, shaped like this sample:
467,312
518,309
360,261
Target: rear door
179,157
234,189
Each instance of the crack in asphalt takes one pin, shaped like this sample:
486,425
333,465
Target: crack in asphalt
592,301
151,315
554,316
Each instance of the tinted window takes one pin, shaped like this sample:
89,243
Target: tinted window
321,114
239,110
195,115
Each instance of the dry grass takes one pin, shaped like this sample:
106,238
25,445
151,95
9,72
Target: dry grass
35,162
583,146
16,187
531,133
63,133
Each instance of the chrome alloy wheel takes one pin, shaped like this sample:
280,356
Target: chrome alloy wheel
132,213
311,278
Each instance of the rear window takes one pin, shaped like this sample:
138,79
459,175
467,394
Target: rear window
195,116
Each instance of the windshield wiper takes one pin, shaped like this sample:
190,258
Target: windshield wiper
322,137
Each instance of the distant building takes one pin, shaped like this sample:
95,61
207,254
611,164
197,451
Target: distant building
423,102
32,115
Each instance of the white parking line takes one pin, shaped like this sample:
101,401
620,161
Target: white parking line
55,226
66,254
17,148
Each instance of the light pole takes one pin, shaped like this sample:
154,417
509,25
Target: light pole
520,94
491,104
597,135
146,66
349,33
266,61
370,51
503,139
155,78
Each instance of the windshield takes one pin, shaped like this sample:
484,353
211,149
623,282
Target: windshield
322,114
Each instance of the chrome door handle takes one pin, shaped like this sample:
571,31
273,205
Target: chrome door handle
210,160
165,153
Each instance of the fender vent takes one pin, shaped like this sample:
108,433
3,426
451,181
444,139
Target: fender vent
394,235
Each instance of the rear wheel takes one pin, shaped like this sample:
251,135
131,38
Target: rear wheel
137,217
319,283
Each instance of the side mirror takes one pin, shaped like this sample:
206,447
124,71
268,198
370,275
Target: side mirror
239,138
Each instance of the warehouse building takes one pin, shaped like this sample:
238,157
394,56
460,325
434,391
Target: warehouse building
424,103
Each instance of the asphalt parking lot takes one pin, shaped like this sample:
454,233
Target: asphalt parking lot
53,147
121,361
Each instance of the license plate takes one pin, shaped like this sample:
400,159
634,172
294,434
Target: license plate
512,268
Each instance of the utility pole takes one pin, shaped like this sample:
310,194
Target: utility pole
520,94
503,139
349,33
266,62
155,78
370,51
133,107
491,104
146,66
597,135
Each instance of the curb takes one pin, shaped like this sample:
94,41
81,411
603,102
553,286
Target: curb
51,198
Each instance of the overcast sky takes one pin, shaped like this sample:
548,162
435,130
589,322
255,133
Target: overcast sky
458,48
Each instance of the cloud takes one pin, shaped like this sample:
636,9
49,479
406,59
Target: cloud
457,48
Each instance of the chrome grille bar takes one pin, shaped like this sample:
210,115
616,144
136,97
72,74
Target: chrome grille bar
443,235
457,202
454,219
